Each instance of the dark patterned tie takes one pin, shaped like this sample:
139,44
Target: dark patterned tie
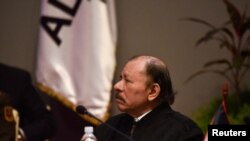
133,128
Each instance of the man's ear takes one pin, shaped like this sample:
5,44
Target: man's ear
154,91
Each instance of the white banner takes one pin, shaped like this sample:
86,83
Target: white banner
76,52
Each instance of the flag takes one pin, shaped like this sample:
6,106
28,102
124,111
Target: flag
76,53
221,116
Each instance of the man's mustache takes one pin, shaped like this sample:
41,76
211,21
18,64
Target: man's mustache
118,96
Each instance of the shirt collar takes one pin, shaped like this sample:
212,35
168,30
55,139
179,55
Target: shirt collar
140,117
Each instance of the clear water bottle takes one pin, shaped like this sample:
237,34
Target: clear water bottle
88,134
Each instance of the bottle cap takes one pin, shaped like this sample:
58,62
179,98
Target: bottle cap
88,129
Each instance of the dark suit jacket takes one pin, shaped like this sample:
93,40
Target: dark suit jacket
161,124
7,121
36,121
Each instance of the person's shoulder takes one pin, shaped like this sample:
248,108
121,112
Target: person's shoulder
12,71
170,115
112,120
184,121
187,127
118,118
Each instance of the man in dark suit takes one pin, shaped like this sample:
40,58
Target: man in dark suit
36,122
144,95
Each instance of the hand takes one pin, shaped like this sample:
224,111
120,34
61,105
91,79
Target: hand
20,137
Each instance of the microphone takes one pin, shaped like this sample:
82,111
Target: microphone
83,111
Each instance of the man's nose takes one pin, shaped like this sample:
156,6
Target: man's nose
117,86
